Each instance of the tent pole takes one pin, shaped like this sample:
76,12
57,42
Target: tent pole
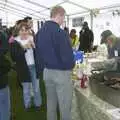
38,24
91,19
68,21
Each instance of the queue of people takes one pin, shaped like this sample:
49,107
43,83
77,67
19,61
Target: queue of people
50,51
21,46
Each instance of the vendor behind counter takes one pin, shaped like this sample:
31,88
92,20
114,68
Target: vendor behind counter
113,47
112,42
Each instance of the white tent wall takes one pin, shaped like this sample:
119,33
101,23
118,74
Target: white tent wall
101,22
40,9
86,18
8,19
4,18
35,26
105,22
96,3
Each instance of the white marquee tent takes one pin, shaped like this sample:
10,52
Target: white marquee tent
12,10
39,9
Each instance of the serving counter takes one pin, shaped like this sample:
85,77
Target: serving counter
95,102
88,106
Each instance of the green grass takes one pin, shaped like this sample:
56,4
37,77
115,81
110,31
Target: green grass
17,108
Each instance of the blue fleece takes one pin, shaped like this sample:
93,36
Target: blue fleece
53,47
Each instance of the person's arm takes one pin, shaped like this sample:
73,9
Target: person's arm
91,37
65,48
3,51
38,57
4,40
16,51
5,65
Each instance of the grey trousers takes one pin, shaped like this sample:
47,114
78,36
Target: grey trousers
59,92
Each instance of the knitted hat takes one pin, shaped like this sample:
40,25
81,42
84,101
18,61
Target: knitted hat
104,35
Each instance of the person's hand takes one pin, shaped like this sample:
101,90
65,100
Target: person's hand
32,44
27,46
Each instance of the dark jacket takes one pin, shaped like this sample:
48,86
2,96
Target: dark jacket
4,40
53,47
111,51
5,67
18,56
86,40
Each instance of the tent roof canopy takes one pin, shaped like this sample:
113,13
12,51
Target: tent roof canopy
39,9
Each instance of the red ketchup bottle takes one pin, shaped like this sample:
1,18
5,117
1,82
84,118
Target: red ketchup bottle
84,81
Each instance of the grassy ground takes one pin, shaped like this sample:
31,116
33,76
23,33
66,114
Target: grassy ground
18,112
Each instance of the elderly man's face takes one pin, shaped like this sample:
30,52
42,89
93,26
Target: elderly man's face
109,42
103,40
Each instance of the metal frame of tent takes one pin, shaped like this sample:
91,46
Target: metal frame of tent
11,7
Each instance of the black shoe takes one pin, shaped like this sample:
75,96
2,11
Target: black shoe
27,109
37,108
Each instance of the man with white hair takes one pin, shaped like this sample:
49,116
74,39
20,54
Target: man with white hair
113,63
112,42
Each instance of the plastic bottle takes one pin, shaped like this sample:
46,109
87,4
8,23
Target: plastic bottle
84,81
